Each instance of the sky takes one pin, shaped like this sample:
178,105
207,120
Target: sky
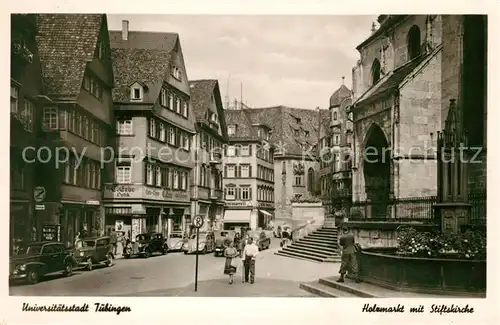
297,61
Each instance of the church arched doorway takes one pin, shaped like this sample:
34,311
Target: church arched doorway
376,163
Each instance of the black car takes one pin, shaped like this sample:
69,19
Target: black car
146,245
35,260
91,251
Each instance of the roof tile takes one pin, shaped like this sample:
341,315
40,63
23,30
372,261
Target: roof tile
66,43
144,57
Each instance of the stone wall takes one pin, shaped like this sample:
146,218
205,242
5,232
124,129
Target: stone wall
375,237
304,212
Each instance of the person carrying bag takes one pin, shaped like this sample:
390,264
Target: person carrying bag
231,265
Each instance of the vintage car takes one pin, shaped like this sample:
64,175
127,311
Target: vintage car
222,239
175,241
146,245
206,243
37,259
260,238
91,251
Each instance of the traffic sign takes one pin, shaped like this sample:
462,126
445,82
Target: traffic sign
198,221
39,193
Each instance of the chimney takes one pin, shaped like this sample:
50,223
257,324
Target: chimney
125,30
374,28
343,78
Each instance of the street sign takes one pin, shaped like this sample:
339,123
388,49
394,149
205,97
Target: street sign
198,222
39,193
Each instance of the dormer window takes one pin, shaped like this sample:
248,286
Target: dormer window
334,116
306,134
214,117
136,92
231,130
176,72
297,120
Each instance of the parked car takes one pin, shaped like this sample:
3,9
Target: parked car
175,241
37,259
222,240
91,251
146,245
260,238
206,243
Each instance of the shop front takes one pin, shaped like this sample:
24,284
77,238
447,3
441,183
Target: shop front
75,218
239,219
22,224
136,209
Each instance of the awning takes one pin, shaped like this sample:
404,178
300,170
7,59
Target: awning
265,213
237,215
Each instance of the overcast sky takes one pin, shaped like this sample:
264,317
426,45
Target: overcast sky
296,61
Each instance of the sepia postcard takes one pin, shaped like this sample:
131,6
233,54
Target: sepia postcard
161,162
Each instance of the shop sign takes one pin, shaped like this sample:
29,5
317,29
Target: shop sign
144,192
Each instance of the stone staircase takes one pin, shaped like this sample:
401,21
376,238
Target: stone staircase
329,288
319,246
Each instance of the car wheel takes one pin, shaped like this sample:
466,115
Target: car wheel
204,250
68,269
89,264
109,260
33,277
185,252
147,253
164,250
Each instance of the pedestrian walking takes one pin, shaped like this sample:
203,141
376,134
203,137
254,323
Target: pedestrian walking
237,240
249,253
113,240
349,262
231,265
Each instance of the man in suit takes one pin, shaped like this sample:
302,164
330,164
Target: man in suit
349,262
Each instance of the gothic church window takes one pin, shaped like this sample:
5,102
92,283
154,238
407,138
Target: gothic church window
413,42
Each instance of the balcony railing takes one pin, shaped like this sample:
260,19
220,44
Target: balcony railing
215,194
215,158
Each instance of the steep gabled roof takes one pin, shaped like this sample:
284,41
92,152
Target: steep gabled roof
144,57
283,123
66,43
201,92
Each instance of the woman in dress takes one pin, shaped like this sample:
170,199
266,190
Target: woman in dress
230,253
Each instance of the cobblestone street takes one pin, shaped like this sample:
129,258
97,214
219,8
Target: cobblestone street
173,275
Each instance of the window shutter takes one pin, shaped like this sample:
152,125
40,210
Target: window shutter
145,174
225,192
250,190
250,171
238,193
225,171
225,150
250,149
237,150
